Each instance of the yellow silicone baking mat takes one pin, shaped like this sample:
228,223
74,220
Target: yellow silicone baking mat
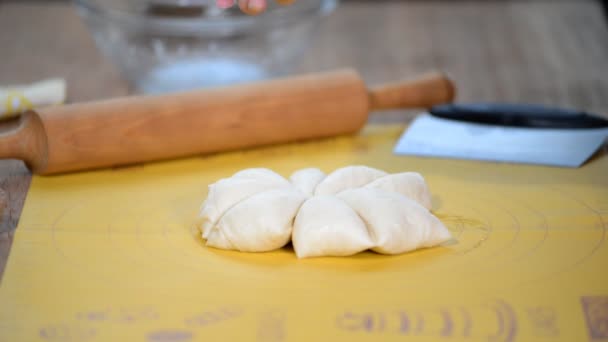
114,256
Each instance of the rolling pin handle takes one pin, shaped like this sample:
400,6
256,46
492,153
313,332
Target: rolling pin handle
23,138
423,92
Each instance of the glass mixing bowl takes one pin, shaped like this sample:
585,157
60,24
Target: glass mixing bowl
171,45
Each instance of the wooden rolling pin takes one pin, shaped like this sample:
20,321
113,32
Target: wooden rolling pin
144,128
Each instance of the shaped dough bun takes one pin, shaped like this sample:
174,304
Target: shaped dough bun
395,223
325,225
409,184
229,191
350,210
260,223
348,178
306,180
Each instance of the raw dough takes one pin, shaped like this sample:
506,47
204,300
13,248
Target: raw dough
229,191
348,211
348,178
410,184
395,223
306,180
260,223
325,225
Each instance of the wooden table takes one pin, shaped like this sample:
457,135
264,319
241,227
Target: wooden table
543,51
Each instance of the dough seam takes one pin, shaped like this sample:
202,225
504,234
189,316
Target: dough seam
214,226
337,193
371,234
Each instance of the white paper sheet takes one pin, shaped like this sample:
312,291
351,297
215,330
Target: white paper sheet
434,137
